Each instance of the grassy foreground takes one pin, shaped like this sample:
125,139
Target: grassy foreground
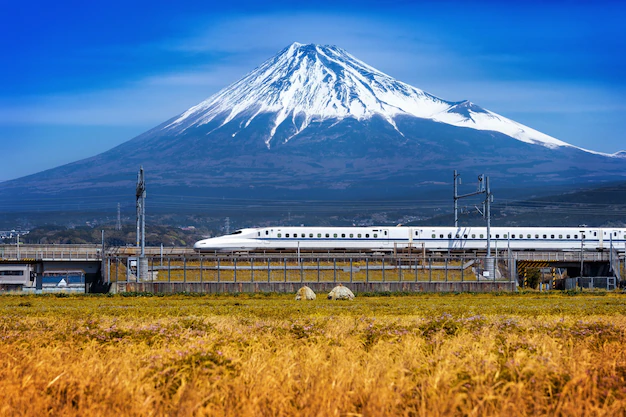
527,354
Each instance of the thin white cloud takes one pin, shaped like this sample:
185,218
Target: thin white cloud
146,102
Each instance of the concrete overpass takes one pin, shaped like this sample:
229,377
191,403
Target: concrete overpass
36,260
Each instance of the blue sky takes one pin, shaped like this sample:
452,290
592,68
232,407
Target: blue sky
81,77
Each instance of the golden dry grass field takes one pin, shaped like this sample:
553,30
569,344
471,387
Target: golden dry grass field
524,354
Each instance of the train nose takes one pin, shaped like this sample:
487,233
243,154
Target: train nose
200,245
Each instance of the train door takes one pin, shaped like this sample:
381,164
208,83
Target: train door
596,236
266,236
385,236
418,239
612,238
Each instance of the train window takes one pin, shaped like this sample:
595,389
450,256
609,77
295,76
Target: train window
568,236
286,234
280,234
367,235
440,236
464,236
310,234
434,235
473,236
497,236
334,234
258,233
536,236
351,234
527,236
551,236
359,235
545,236
614,233
415,233
449,235
482,236
267,232
457,236
575,236
375,234
327,235
319,235
512,236
595,233
343,235
506,236
560,236
385,233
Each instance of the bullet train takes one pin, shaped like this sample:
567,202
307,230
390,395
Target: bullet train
383,238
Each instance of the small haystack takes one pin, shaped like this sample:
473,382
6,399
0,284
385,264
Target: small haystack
340,293
305,293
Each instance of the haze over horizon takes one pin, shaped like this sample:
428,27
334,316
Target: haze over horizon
86,77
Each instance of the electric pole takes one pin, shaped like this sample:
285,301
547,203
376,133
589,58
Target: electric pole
483,188
457,176
118,225
140,194
488,201
457,197
489,263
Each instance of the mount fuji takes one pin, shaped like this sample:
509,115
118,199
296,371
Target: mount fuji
305,84
316,122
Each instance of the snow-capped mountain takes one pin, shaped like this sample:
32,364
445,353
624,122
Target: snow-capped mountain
308,83
314,122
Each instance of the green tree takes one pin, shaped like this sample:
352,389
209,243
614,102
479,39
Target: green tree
533,277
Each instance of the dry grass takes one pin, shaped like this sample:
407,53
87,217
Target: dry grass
528,354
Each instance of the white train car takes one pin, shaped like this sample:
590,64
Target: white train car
382,238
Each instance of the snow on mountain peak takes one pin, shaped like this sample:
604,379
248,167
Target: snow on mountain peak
313,82
309,82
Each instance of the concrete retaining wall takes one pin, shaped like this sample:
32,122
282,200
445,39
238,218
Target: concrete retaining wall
318,287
